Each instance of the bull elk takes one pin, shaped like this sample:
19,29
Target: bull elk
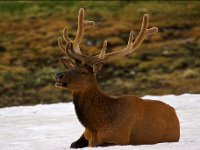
123,120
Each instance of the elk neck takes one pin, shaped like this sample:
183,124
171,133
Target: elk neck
89,106
89,94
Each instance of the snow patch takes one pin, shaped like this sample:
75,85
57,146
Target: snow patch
55,126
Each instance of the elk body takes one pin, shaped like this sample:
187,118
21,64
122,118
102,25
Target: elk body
111,120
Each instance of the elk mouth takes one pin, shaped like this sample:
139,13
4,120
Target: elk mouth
61,84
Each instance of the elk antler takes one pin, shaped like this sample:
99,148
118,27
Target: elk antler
70,51
82,25
132,46
75,53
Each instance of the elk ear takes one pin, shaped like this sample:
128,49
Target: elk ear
67,63
78,62
97,67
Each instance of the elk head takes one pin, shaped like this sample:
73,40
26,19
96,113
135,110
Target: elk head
82,71
78,74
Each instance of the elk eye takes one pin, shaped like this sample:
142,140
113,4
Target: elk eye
83,72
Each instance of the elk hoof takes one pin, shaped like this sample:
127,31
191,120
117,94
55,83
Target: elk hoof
79,144
74,145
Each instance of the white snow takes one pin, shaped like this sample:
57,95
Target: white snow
55,126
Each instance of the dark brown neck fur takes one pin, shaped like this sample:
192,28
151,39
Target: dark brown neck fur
93,107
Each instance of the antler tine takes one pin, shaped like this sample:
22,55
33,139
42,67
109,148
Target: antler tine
130,40
82,25
103,51
141,35
86,59
61,45
151,31
71,52
89,24
132,46
68,50
65,50
101,56
65,36
80,29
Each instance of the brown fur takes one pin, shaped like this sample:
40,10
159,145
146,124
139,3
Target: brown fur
118,120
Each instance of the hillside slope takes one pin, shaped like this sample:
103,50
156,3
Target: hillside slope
166,63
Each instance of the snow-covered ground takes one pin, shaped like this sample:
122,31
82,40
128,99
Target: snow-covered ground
55,126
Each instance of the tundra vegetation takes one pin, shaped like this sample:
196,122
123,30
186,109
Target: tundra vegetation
167,63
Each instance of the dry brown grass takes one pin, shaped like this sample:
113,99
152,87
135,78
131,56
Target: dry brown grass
166,63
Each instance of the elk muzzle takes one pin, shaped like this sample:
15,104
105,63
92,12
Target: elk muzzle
59,80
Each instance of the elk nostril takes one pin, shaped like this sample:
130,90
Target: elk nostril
59,75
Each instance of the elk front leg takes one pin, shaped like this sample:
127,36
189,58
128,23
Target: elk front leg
80,143
93,142
92,138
